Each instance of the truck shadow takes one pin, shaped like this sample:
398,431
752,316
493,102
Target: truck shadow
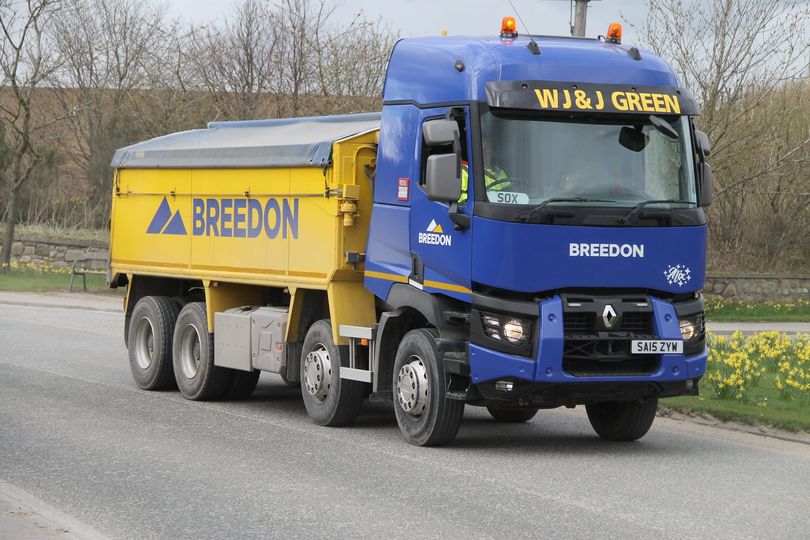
571,435
571,439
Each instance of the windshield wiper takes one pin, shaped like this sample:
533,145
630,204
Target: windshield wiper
537,209
637,208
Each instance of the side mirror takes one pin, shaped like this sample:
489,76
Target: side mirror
705,184
440,132
703,144
441,178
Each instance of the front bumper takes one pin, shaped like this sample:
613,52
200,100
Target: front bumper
546,368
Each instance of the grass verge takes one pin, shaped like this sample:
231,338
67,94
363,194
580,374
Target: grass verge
763,378
721,310
47,280
767,409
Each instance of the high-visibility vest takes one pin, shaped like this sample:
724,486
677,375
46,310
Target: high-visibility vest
491,176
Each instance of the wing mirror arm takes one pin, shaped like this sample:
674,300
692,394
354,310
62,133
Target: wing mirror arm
460,221
704,149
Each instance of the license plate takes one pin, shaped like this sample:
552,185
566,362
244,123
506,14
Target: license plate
656,346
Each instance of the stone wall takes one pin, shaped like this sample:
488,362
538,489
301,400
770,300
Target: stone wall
59,253
751,288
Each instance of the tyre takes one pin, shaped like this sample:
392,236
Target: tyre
242,384
288,382
193,356
151,328
424,414
512,414
180,301
622,420
329,400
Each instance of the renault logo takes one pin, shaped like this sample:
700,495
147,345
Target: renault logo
609,316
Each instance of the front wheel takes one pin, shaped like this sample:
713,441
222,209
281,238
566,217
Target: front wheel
622,420
425,415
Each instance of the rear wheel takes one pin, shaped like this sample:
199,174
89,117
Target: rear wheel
197,377
149,342
512,414
425,415
329,400
622,420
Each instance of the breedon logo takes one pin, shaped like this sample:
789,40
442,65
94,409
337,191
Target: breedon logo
166,222
230,218
435,235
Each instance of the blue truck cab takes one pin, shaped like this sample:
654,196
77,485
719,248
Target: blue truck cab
537,237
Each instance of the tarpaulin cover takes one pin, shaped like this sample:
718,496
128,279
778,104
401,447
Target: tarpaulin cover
288,142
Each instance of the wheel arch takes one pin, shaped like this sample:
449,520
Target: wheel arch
410,309
391,330
432,307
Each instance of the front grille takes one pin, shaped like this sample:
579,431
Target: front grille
578,322
636,321
582,322
585,356
598,368
592,348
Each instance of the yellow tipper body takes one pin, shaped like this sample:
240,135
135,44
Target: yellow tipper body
277,209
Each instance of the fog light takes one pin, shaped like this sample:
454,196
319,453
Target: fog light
687,329
504,386
513,331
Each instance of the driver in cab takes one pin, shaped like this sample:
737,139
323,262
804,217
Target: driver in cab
495,178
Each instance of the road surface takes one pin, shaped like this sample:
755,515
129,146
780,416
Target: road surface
79,440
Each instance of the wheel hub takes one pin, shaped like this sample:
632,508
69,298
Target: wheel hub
318,373
412,387
144,343
190,352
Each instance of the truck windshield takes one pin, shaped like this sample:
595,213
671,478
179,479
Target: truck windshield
529,160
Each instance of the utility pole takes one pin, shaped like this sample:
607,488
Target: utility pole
580,17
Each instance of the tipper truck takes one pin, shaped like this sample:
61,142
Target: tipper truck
522,227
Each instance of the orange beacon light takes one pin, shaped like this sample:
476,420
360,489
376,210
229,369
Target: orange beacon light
614,33
508,28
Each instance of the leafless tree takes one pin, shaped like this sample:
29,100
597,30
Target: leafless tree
173,98
746,62
104,45
233,62
26,61
128,73
296,55
289,59
360,49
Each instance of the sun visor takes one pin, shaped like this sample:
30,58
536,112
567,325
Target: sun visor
587,98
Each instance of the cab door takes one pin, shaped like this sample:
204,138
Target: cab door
440,250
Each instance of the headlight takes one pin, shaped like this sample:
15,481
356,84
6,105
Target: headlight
508,329
688,329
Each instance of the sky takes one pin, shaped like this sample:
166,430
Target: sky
460,17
